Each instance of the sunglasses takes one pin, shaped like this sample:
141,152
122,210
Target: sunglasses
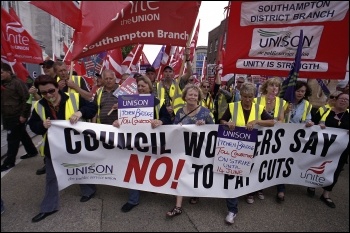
332,97
50,91
205,86
191,80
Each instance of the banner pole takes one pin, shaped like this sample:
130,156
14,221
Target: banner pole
187,46
68,51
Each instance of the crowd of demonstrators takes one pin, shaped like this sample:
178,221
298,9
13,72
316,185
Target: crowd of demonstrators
177,101
244,113
57,105
15,112
191,113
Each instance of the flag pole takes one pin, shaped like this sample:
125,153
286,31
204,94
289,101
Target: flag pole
70,46
187,46
133,57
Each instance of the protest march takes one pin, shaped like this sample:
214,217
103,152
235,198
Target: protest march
264,103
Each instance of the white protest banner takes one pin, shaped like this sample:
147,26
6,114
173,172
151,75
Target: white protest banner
178,160
135,109
234,150
128,87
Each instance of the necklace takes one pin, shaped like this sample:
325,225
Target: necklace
339,119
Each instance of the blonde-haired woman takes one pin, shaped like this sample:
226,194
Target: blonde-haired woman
275,106
207,100
191,113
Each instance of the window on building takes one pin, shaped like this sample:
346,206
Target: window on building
216,45
211,47
199,71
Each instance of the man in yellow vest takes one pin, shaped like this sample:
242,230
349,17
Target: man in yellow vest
75,84
106,102
170,89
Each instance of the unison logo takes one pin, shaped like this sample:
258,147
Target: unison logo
87,168
312,175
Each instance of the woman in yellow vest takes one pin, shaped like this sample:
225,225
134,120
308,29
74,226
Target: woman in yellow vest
57,105
161,117
335,117
191,113
244,113
207,100
275,106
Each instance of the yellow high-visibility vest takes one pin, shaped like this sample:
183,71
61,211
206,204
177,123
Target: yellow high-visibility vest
72,105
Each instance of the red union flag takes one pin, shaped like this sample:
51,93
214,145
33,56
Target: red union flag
267,36
8,58
23,46
113,61
108,25
66,11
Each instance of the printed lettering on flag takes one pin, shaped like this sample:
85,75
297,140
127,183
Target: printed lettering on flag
158,22
23,46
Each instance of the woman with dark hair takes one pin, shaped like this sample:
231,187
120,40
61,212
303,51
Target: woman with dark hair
300,110
57,105
336,117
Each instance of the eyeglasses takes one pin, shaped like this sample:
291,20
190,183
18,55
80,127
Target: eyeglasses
50,91
240,81
342,99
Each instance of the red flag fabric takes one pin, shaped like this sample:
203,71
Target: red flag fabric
23,46
8,57
176,64
194,41
113,61
265,41
79,67
12,12
108,25
130,62
144,60
66,11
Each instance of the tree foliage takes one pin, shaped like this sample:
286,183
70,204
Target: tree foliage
126,50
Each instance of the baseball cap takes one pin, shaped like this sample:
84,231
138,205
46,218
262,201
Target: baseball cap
168,67
150,69
136,75
47,63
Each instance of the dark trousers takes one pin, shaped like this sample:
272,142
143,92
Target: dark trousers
342,161
15,135
51,199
